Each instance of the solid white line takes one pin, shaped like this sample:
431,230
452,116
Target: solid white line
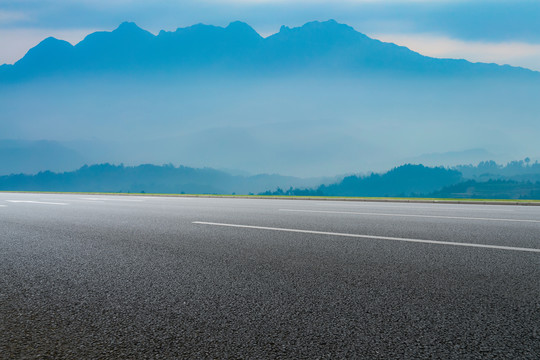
498,247
412,206
35,202
109,199
410,215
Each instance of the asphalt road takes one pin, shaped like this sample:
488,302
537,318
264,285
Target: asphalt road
87,276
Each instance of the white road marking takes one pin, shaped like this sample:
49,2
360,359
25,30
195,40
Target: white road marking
108,199
413,206
410,215
451,243
35,202
3,205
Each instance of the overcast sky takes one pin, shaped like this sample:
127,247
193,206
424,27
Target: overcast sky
504,32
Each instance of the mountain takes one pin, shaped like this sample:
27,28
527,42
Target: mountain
491,189
148,178
404,180
323,46
308,101
435,182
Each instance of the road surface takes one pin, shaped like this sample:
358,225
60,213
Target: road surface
87,276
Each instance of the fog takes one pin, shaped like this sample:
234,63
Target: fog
308,124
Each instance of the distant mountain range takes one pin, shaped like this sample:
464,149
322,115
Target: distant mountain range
323,46
149,178
310,101
516,180
405,180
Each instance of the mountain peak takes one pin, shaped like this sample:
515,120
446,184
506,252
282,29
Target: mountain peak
47,51
54,43
239,27
329,26
236,32
329,31
128,27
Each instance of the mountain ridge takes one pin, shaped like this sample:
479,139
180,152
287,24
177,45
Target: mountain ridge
325,46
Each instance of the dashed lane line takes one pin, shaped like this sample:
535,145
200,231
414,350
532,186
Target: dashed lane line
413,206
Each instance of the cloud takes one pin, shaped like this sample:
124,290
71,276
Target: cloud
490,20
7,17
503,53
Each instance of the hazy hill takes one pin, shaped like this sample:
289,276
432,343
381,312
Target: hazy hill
149,179
491,189
515,180
405,180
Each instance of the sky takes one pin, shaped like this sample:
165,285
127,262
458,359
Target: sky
498,31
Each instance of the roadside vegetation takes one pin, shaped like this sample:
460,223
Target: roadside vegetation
487,180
